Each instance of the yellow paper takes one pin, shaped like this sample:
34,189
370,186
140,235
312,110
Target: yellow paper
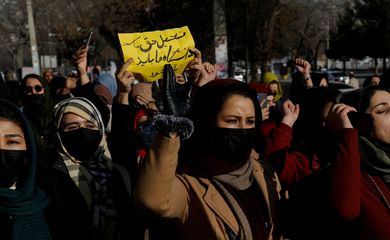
152,50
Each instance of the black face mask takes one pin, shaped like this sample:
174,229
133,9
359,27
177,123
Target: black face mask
82,143
13,167
35,100
234,144
146,134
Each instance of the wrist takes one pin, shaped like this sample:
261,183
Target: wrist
65,91
288,122
123,98
81,71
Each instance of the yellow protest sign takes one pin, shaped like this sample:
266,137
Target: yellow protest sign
152,50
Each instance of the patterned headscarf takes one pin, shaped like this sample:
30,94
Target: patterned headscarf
90,177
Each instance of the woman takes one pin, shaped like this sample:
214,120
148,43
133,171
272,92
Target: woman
365,197
109,82
299,145
352,196
217,193
274,87
22,203
373,80
37,106
320,79
314,200
90,195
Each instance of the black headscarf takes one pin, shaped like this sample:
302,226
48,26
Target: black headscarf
39,116
317,77
309,131
27,202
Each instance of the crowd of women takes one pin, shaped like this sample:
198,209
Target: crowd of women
191,156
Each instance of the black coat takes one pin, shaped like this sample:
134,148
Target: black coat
68,214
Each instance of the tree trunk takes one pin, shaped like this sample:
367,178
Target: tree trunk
316,55
19,56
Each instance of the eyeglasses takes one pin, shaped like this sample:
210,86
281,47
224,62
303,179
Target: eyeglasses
29,89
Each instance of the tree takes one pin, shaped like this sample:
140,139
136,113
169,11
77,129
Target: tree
258,30
363,31
136,16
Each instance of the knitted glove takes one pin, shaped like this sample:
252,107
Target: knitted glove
166,124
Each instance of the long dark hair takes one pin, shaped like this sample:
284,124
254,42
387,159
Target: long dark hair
35,76
367,94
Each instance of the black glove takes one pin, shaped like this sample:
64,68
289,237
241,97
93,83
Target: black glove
175,101
175,97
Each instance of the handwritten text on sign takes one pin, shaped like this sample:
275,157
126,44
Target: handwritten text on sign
152,50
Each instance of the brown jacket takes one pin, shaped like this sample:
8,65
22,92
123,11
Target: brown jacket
198,205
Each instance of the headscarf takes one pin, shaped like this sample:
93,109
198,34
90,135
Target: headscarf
270,77
375,157
3,88
27,202
310,134
196,157
317,77
39,117
90,177
109,82
258,87
375,154
103,92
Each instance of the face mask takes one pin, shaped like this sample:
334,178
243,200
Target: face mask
234,144
35,99
146,134
13,166
82,144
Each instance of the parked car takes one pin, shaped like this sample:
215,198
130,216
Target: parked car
338,76
340,86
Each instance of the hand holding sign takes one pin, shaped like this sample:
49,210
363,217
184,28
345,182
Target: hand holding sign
152,50
195,66
207,74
